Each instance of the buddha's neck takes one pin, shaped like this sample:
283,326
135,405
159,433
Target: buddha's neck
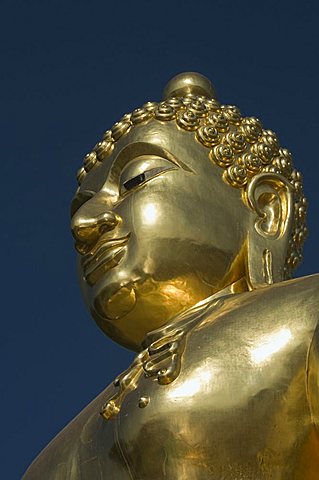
188,315
239,286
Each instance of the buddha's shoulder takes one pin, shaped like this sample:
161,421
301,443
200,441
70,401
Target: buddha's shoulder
75,449
301,294
293,303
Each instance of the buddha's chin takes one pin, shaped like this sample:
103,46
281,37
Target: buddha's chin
130,311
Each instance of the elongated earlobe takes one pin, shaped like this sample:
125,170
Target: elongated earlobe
269,196
268,267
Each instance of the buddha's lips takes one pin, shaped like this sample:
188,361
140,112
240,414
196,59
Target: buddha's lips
105,255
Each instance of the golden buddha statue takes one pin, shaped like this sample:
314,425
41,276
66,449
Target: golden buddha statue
188,221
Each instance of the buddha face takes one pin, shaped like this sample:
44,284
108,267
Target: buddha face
157,230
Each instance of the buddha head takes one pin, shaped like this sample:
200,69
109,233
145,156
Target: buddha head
179,200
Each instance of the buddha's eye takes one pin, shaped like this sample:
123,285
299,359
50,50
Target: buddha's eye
141,169
142,177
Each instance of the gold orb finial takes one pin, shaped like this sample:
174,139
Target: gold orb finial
189,82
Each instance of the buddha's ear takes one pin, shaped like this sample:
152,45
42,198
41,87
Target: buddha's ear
270,198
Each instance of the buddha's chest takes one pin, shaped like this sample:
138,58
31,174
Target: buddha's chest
237,409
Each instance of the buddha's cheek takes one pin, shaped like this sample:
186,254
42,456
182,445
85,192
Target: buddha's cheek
162,210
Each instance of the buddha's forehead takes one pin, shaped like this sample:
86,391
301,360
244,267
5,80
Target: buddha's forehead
165,135
154,138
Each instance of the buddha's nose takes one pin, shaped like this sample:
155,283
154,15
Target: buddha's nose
87,226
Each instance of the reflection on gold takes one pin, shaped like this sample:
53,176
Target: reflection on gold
171,289
150,213
198,381
270,345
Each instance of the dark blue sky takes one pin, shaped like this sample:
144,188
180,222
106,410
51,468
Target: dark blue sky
70,69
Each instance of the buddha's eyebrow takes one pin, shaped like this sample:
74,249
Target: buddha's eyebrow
138,149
